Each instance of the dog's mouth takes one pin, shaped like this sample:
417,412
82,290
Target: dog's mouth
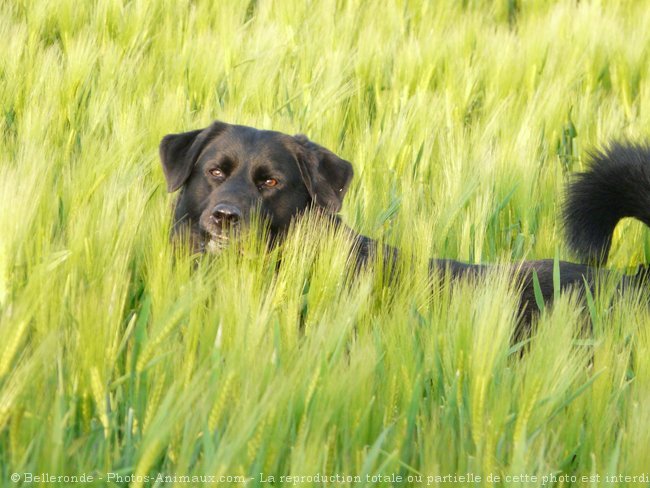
217,243
217,238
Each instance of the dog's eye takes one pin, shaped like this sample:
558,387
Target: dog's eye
270,183
216,173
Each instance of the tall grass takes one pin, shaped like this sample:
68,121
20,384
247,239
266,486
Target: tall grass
120,353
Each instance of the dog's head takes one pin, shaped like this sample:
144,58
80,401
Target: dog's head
227,172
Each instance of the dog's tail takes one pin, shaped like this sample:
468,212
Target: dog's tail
616,185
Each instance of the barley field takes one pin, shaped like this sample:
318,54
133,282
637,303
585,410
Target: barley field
125,361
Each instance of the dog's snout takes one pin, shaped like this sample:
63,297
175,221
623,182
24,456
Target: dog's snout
226,214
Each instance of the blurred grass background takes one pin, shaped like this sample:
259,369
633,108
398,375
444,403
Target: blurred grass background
463,120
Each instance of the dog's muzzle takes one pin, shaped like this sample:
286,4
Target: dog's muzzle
223,223
226,215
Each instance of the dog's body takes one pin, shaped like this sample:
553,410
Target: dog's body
227,173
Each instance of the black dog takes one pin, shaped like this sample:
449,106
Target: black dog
226,172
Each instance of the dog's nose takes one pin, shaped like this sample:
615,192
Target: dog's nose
226,214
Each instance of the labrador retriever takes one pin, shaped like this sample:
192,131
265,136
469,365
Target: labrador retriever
226,173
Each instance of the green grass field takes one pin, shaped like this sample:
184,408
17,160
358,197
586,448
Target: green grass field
123,359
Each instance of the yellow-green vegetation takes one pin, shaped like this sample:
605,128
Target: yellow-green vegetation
119,353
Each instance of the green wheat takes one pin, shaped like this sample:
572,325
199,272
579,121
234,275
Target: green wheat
120,352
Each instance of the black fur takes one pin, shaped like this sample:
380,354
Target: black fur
307,176
617,185
225,172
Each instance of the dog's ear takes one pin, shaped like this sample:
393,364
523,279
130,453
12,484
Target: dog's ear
326,176
179,152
